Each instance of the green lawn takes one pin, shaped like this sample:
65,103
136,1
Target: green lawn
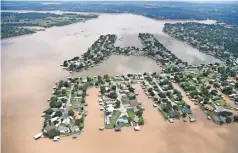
182,102
208,113
165,114
124,125
130,113
78,101
113,119
221,102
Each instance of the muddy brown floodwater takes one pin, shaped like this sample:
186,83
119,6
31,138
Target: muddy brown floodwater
30,66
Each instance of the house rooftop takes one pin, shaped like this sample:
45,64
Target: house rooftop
134,102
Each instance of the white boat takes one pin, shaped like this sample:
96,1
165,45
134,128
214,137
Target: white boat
56,138
101,128
39,135
137,128
171,120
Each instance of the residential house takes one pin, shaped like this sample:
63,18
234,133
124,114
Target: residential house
49,127
131,95
77,106
208,107
134,102
172,114
187,110
63,129
216,119
163,105
135,109
74,129
80,93
110,102
125,101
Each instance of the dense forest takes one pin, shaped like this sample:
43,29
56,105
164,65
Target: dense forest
10,31
14,24
216,39
222,12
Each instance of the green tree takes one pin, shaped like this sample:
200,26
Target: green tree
118,104
228,120
58,114
102,89
56,104
184,115
150,90
139,113
114,87
216,85
175,107
113,95
48,111
52,133
78,122
71,112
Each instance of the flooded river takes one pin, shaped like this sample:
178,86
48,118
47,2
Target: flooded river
30,66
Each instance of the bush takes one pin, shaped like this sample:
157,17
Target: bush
141,121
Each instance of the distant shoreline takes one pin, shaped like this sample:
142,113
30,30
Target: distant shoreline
101,13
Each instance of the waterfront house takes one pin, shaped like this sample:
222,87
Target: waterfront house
63,129
126,101
208,107
135,109
74,129
187,110
134,102
49,127
216,119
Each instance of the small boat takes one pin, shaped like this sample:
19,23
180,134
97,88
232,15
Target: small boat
74,136
56,138
137,128
117,129
101,128
39,135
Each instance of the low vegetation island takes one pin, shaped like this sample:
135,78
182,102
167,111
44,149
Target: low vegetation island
15,24
220,40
